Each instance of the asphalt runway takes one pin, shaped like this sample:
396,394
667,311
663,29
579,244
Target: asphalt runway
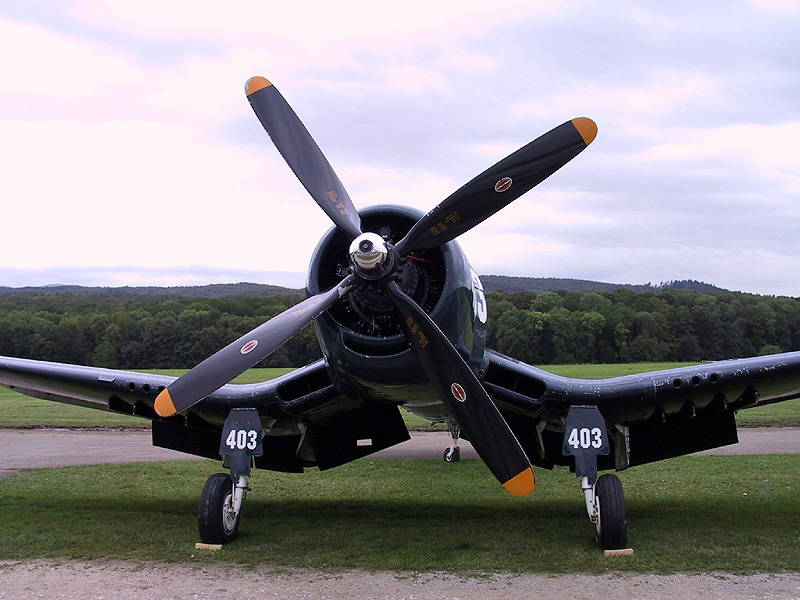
40,448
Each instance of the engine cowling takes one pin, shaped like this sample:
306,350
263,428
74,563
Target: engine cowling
363,327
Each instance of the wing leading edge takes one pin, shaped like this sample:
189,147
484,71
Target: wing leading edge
650,416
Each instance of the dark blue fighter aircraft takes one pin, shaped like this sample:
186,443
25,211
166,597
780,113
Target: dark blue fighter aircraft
401,318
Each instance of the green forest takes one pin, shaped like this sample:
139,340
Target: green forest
139,331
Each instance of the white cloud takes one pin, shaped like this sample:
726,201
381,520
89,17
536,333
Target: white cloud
659,95
127,140
137,193
57,74
778,6
771,150
323,23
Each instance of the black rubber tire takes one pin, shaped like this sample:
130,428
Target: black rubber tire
612,524
452,454
215,526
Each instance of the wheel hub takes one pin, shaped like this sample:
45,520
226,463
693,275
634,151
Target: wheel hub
228,514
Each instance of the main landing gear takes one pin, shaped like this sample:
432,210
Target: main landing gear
605,504
586,438
220,508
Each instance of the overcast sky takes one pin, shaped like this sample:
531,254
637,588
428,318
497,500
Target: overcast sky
130,155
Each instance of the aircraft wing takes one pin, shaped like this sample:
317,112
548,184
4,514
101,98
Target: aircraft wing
649,416
306,421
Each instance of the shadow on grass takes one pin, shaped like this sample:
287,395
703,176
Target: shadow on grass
406,515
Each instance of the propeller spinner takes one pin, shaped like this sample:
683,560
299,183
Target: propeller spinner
377,262
369,252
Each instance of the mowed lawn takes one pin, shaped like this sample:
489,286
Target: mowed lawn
713,514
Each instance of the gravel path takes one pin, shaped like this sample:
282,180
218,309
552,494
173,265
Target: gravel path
37,448
141,581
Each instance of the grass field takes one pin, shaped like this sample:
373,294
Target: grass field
17,410
692,514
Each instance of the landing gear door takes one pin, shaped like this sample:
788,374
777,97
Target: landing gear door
241,440
585,438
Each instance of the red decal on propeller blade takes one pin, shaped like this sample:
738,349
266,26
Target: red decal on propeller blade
249,347
458,392
503,184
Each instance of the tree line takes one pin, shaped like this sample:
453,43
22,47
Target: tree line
140,332
154,332
625,326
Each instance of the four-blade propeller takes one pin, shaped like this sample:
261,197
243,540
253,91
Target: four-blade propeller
377,261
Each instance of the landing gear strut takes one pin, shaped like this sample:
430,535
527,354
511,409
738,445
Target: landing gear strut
586,438
220,507
453,453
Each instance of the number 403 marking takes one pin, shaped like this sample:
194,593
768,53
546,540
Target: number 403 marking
585,437
240,439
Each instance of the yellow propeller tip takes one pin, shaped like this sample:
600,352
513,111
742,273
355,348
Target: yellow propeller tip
164,405
587,128
521,484
254,84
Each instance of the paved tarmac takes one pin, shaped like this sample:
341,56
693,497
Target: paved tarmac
39,448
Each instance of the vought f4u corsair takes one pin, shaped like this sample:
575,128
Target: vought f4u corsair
401,319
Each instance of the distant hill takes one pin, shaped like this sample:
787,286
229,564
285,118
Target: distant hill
218,290
540,285
537,285
690,284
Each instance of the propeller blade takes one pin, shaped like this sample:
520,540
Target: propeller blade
302,154
464,396
499,185
237,357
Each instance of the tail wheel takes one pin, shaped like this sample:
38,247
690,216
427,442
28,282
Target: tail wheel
452,454
612,520
217,520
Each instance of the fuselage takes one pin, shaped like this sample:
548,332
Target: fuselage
366,352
